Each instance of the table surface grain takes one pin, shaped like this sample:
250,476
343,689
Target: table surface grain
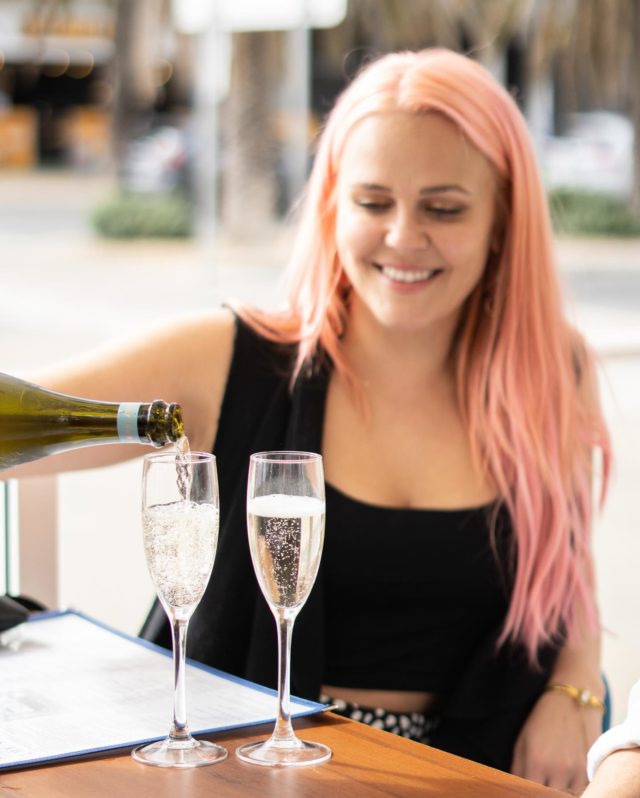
365,762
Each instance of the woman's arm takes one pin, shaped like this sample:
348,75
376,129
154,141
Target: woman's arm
184,361
617,777
553,743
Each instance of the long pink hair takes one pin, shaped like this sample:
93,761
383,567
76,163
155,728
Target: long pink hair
525,379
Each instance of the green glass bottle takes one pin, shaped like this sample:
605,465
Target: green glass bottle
35,422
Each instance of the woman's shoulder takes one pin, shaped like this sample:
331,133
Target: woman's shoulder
262,341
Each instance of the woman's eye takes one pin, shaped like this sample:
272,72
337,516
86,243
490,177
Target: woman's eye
443,211
372,205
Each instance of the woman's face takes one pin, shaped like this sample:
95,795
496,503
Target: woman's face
415,216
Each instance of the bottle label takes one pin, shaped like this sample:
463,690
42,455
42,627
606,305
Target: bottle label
128,422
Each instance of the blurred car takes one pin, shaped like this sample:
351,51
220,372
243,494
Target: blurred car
596,154
158,162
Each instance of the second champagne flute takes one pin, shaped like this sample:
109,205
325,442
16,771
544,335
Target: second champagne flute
285,520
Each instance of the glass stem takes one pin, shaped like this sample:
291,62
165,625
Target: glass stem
179,728
283,730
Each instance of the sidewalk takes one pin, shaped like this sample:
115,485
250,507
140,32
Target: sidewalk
602,276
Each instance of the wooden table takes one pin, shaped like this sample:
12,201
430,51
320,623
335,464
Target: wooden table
366,762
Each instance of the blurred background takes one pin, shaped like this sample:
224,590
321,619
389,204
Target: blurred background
150,151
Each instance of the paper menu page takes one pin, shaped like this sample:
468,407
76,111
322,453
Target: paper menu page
70,686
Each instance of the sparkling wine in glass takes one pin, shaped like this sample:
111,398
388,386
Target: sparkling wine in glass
285,520
180,518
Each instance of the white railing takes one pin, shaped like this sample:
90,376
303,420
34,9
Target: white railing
29,539
9,548
4,543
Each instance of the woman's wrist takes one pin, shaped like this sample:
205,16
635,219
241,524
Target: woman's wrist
582,696
582,679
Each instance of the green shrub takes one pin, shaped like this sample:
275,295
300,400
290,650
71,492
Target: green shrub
586,213
144,216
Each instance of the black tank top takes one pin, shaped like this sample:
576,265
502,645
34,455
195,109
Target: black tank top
492,691
409,594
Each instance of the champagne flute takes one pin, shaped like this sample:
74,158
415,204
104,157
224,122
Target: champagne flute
180,517
285,520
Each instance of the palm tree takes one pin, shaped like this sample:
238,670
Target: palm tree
379,26
249,174
138,30
258,61
593,44
585,43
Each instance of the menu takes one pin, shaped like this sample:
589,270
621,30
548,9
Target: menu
71,686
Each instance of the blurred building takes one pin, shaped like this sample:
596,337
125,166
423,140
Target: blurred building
63,92
80,80
54,87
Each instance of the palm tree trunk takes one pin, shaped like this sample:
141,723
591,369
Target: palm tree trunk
136,42
249,177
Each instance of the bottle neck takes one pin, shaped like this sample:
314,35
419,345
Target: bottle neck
158,423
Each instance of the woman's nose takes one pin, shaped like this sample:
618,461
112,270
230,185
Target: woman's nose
405,231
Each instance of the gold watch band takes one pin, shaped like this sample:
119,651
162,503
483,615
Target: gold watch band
581,695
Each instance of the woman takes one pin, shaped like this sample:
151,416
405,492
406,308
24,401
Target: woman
424,352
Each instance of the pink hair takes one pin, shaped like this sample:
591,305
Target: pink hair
525,380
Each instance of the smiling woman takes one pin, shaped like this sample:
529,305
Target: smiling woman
413,232
425,354
423,286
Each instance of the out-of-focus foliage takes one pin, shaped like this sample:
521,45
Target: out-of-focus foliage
386,25
144,216
590,40
585,213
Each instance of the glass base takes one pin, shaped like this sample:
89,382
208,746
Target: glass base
170,753
290,753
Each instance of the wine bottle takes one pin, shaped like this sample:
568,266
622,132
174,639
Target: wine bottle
35,422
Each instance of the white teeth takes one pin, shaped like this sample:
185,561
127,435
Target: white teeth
405,276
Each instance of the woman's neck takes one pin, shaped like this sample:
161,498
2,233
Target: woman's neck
404,358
